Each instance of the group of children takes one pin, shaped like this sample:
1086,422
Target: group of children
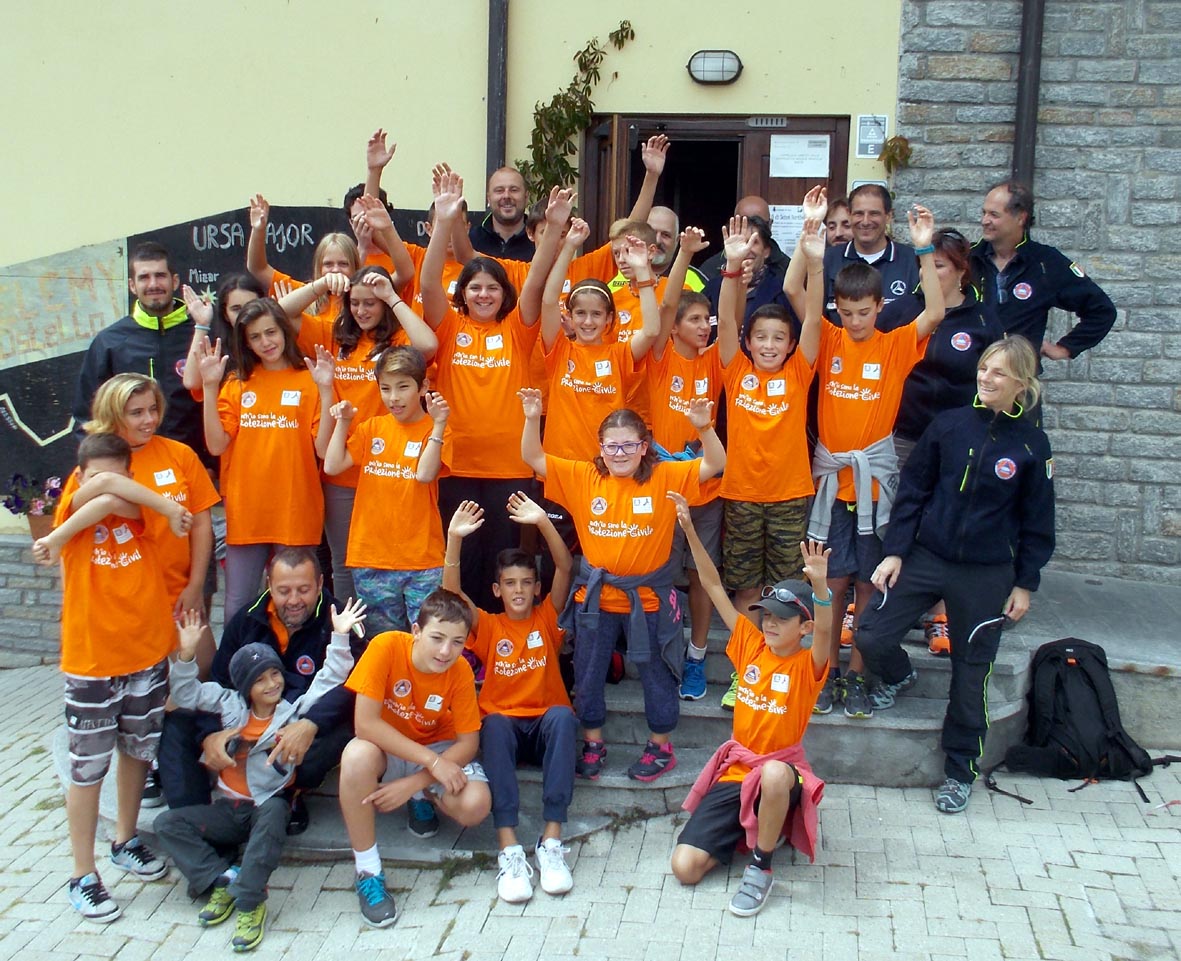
423,399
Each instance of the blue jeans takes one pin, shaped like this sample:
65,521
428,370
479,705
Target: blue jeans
549,740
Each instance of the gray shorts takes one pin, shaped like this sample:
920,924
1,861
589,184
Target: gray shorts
707,521
105,713
397,768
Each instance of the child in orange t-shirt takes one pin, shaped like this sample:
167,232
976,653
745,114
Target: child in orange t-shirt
272,417
526,712
400,455
758,787
625,578
417,729
117,634
862,372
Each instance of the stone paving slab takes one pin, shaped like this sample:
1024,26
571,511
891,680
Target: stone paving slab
1092,875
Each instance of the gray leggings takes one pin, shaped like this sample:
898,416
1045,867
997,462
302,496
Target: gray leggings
338,515
245,564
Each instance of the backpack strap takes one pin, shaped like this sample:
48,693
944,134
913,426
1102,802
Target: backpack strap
990,783
1045,684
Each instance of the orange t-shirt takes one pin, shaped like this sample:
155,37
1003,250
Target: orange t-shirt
624,527
116,614
517,271
587,382
861,388
171,469
424,707
480,369
673,381
386,453
272,483
521,674
598,264
379,258
775,694
331,308
232,779
766,423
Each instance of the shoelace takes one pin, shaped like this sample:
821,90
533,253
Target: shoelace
371,889
516,865
554,854
95,892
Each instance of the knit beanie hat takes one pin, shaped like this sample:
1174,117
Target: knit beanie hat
248,664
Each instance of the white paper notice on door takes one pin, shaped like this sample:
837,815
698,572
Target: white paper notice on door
799,155
787,222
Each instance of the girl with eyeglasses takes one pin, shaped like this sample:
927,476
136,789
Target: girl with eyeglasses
624,585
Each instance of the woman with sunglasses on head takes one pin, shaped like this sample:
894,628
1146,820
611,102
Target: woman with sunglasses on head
973,523
624,585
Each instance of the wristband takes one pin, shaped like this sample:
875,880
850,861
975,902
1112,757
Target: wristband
432,767
641,284
929,249
203,327
732,273
449,564
816,600
437,440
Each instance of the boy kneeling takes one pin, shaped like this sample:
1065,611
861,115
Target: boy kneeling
249,805
758,786
418,731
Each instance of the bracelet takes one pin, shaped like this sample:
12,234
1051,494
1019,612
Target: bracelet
641,284
432,767
437,440
817,600
929,249
204,327
732,273
447,563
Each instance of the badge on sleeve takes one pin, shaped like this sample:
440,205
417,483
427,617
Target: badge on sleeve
1050,469
1076,270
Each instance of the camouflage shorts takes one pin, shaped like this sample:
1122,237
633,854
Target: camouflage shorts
762,542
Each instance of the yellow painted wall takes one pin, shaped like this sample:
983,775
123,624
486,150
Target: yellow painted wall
124,116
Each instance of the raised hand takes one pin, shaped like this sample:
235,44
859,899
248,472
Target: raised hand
334,283
637,256
560,206
260,212
700,412
654,153
372,213
438,172
381,285
525,510
211,363
816,203
343,410
737,240
815,562
323,369
693,240
188,627
922,226
449,197
579,231
530,401
200,309
437,407
348,618
682,505
812,240
467,519
282,288
376,154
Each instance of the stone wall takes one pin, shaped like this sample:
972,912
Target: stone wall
30,606
1107,183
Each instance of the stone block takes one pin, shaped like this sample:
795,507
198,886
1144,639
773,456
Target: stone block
1165,321
994,41
1147,397
1158,71
941,91
1155,213
927,40
1075,136
1083,45
970,67
1162,371
991,114
1073,93
1163,160
965,14
1110,71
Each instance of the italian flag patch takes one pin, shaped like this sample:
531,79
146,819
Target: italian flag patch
1076,270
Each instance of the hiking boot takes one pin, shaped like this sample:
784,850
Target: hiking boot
653,762
953,796
857,702
90,899
731,695
250,928
153,795
512,883
551,865
421,819
752,892
217,909
590,763
883,696
137,859
847,626
938,639
830,695
693,680
377,907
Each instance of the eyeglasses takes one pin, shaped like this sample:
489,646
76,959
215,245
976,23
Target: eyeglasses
628,447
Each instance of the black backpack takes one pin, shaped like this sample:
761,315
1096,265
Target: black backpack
1074,723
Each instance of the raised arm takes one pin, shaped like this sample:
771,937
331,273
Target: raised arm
557,212
707,571
323,371
816,570
419,333
256,246
922,232
212,367
376,218
713,454
431,459
640,258
467,519
523,510
532,452
551,298
295,302
653,153
692,242
377,158
736,240
815,207
337,458
447,206
811,247
200,311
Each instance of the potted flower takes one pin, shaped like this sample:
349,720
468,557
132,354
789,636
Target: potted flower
35,499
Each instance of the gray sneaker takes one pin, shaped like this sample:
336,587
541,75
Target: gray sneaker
830,695
953,796
377,907
857,702
883,695
752,892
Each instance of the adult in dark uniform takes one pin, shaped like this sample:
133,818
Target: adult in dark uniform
501,233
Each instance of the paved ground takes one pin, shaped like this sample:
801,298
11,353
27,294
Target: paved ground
1091,875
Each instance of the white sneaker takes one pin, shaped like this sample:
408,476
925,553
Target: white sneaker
512,883
551,865
90,899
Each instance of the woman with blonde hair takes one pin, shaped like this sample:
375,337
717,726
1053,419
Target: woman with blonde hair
973,523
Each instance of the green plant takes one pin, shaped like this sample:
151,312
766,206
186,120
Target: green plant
557,124
28,495
895,154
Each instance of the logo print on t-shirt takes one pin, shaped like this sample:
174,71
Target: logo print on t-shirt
677,385
836,366
1005,469
1023,291
434,702
570,367
402,688
701,386
625,317
249,399
534,640
463,339
377,446
599,506
122,534
752,674
504,647
961,341
305,665
101,534
898,288
180,364
750,382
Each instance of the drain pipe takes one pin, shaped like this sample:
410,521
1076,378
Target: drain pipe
1029,69
497,83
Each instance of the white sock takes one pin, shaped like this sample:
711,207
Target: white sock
368,862
695,653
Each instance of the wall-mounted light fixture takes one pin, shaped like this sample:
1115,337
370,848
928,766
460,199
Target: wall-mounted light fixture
714,66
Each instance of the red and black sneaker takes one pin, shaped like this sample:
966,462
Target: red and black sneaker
590,763
656,759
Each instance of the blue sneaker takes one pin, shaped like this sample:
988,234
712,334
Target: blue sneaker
377,907
693,680
421,819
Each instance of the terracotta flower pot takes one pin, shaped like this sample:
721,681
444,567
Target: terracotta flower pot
40,524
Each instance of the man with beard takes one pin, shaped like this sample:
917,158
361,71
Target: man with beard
501,233
293,617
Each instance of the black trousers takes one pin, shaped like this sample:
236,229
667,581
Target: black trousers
974,593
